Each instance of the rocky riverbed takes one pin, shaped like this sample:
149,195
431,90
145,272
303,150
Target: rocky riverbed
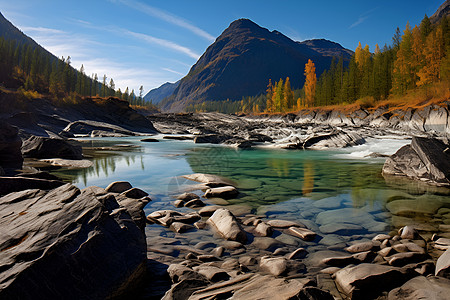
205,243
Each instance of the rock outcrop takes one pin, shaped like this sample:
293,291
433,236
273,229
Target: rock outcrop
10,144
44,147
67,243
425,160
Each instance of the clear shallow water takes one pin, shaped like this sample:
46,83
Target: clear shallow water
325,190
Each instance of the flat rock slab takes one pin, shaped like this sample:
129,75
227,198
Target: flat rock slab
424,288
44,147
341,228
255,286
69,163
284,224
209,178
225,192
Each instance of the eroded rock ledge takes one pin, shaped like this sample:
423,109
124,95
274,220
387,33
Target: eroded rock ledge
66,243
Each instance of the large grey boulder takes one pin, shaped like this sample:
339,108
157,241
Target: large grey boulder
424,288
95,127
10,143
338,139
43,147
425,159
366,281
225,223
68,244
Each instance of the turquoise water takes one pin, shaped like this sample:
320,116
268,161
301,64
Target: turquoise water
318,188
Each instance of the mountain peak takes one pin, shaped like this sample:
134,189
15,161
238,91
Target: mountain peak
442,11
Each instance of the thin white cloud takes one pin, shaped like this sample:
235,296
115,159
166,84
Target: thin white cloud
170,18
359,21
173,71
164,43
363,17
42,30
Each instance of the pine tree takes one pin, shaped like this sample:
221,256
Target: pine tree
288,96
425,27
269,97
397,39
310,83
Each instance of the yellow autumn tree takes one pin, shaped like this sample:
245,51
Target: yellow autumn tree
310,83
433,53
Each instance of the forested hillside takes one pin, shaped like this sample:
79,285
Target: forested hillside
417,61
28,67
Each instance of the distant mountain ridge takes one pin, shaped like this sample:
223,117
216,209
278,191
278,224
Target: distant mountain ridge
243,59
158,94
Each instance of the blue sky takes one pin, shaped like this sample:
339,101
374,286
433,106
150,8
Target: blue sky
144,42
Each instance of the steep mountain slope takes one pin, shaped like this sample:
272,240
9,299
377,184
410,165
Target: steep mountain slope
243,59
442,11
158,94
10,32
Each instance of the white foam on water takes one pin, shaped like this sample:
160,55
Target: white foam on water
373,147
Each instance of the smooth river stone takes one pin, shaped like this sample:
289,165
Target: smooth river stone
341,228
332,239
419,206
249,184
328,203
356,216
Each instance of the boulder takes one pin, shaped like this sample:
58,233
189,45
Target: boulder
426,159
225,223
283,224
424,288
187,196
67,243
118,187
338,139
135,193
273,265
366,281
262,229
89,127
303,233
44,147
135,208
443,265
224,192
10,145
194,203
213,274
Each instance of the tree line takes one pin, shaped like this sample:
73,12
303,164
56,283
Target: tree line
417,58
35,69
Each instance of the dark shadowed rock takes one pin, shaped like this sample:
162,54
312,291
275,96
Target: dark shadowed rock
16,184
10,144
135,193
118,187
425,159
43,147
68,243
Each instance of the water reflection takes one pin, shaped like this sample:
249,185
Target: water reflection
308,182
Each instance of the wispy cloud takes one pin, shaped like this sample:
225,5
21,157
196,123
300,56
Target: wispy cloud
42,30
173,71
362,17
164,43
168,17
360,20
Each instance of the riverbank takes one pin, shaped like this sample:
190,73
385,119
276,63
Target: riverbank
298,189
